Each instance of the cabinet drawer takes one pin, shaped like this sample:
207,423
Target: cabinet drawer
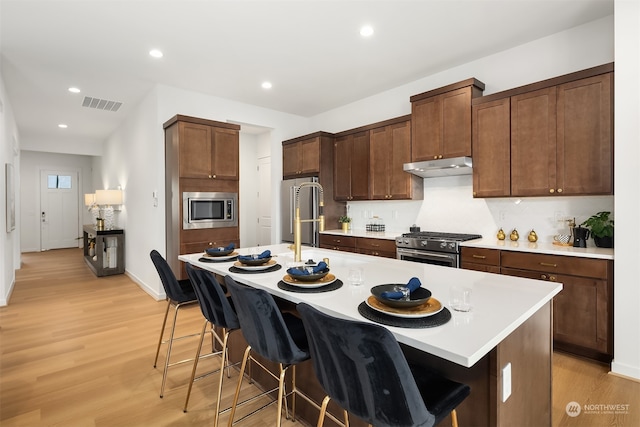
338,248
480,256
192,248
333,240
481,267
375,252
575,266
377,245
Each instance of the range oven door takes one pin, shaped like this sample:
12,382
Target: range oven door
428,257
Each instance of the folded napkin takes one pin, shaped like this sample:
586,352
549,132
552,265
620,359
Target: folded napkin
229,247
302,271
413,284
265,254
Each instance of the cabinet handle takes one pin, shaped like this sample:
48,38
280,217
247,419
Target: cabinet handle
209,176
548,264
375,246
479,256
337,241
552,278
435,157
543,276
551,190
559,190
440,156
214,176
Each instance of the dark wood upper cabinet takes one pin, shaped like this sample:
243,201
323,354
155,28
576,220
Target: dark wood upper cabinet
491,143
351,167
301,158
441,121
390,149
585,136
208,152
533,143
560,137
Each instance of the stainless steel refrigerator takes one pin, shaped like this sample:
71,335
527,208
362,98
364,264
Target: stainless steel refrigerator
308,210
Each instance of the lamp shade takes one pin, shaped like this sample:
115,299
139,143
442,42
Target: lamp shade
109,197
89,199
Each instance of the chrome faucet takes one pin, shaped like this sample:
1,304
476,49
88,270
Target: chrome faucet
297,225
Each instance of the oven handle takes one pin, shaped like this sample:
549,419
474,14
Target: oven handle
423,253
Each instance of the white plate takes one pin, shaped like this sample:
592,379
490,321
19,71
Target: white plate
326,280
431,307
221,258
264,266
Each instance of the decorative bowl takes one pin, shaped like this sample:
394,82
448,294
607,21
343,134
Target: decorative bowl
256,261
417,297
218,252
312,277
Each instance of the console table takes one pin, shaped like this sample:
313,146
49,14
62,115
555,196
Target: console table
108,255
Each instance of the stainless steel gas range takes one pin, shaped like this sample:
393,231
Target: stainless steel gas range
430,247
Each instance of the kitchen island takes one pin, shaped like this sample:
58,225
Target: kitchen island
502,348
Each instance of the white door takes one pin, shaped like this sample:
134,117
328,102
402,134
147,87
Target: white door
59,217
264,201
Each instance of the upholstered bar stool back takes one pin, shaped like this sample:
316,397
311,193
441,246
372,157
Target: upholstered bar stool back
361,366
179,294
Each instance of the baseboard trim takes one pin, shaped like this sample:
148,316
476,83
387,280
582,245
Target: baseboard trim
625,371
145,287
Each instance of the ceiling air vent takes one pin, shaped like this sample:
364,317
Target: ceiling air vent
101,104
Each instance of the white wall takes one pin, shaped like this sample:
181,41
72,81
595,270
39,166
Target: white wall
627,182
31,162
248,188
9,153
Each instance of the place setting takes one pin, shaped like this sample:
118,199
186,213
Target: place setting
219,254
311,277
404,305
255,263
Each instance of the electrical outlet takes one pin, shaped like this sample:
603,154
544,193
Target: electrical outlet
558,216
506,382
502,215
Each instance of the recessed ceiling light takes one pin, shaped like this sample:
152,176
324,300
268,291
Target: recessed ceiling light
266,85
74,90
62,126
366,31
156,53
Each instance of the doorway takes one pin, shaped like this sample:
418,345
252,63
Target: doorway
59,213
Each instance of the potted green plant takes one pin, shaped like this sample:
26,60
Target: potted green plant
601,227
345,221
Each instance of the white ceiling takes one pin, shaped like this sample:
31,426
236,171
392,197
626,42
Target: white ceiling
310,50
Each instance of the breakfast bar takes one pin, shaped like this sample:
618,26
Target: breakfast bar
502,347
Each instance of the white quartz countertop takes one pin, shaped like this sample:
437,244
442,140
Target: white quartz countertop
500,303
591,251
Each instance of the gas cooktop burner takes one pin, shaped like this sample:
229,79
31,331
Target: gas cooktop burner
435,235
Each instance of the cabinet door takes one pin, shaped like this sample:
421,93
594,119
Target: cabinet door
533,143
225,158
360,167
310,156
399,180
456,123
343,148
491,140
195,150
290,160
426,129
585,136
381,143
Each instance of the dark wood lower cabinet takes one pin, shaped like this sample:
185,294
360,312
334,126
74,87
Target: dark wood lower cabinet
583,310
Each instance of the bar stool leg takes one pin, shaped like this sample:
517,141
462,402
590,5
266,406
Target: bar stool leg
235,397
166,362
164,323
225,359
195,364
454,418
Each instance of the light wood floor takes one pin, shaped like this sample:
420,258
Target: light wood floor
77,350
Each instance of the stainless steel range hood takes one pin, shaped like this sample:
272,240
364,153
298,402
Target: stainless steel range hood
441,167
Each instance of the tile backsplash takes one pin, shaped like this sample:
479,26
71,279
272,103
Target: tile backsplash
449,206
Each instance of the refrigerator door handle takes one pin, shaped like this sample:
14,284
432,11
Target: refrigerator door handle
292,191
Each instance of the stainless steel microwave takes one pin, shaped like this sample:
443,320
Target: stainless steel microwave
209,210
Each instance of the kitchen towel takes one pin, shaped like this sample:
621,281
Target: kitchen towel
413,284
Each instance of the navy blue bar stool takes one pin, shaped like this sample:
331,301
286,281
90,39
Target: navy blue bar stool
179,294
218,311
361,366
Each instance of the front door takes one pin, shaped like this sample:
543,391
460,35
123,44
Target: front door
59,216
